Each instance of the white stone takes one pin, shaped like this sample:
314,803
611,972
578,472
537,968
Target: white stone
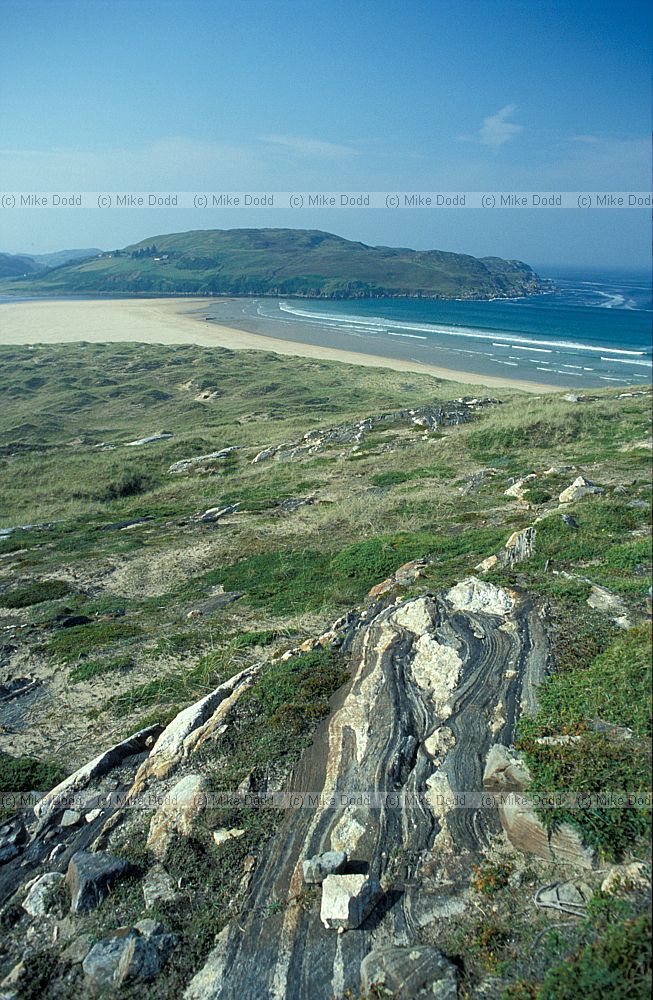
347,900
436,669
579,488
415,616
222,836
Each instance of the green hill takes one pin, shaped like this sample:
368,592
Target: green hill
13,265
304,263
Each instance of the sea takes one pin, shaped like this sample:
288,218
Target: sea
593,329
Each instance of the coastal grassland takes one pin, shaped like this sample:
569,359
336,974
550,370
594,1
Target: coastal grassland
127,606
589,705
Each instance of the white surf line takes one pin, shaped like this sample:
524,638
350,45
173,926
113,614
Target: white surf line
512,340
533,350
625,361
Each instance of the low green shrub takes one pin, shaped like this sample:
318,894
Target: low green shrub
25,774
35,593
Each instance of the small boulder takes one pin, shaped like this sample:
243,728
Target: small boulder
145,954
41,897
504,771
408,973
131,954
316,869
566,897
580,487
102,961
90,876
347,900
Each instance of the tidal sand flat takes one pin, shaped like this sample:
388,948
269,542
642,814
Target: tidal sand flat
184,321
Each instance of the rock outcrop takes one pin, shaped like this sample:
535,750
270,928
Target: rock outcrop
457,411
508,776
383,775
580,488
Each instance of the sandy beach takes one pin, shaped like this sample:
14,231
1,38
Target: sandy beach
182,321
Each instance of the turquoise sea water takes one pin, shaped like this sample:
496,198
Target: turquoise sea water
593,330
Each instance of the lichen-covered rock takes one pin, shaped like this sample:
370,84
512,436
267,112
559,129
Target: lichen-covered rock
40,898
316,869
478,596
409,973
178,814
347,900
90,876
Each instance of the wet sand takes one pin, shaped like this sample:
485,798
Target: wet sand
183,321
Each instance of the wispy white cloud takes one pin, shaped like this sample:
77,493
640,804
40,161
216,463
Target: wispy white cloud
496,129
310,147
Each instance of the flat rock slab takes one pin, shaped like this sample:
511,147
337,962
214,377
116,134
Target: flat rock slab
90,876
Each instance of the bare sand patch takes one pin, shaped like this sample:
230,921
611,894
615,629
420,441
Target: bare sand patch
180,321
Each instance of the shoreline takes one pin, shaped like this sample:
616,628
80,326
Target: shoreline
182,321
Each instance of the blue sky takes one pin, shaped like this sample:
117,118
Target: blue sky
484,95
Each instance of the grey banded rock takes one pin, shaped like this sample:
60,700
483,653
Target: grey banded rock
316,869
13,837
